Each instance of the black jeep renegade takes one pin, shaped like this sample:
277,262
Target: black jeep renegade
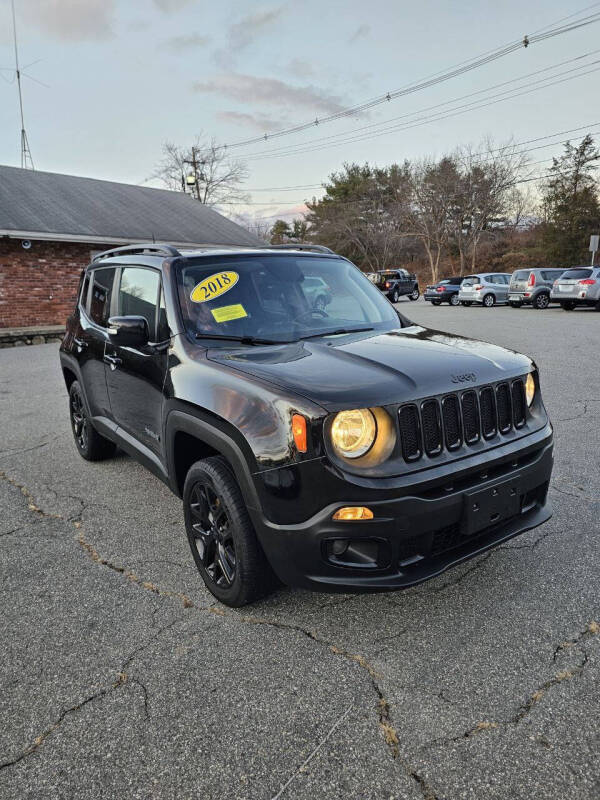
341,448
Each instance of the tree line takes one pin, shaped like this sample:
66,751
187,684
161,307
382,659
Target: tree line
477,208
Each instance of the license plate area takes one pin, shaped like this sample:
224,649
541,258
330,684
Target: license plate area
486,507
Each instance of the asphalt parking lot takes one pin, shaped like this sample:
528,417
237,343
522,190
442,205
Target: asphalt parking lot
122,678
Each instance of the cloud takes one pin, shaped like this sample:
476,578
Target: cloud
170,6
187,42
71,20
301,68
251,89
362,31
243,33
259,122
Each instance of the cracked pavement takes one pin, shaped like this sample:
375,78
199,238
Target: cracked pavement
122,677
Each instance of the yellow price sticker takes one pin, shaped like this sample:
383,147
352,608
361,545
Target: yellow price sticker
214,286
227,313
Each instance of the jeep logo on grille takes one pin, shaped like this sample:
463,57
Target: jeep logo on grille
464,378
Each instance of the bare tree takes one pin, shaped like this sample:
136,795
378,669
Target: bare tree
485,195
203,170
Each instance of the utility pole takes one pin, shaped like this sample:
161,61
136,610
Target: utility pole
196,175
26,157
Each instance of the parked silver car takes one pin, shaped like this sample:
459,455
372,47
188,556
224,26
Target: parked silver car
532,287
578,286
486,288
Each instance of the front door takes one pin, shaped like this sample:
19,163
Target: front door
135,377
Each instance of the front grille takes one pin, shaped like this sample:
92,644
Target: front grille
432,427
468,416
410,432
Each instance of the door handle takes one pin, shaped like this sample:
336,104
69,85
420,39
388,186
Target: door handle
114,361
80,343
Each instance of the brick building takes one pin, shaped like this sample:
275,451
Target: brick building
51,225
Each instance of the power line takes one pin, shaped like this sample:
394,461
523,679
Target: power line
452,72
436,117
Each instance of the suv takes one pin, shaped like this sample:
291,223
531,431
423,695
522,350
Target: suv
397,282
342,450
578,286
444,291
488,289
532,287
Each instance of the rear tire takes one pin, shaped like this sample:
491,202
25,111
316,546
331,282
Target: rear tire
90,444
541,301
454,301
567,305
414,295
224,544
489,301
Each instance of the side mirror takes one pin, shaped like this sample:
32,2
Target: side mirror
129,331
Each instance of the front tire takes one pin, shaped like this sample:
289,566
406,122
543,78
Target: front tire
395,296
454,301
90,444
224,545
489,301
414,295
541,301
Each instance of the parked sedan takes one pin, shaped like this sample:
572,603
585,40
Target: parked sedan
487,289
444,291
532,287
578,286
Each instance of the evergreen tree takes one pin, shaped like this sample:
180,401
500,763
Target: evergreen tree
571,205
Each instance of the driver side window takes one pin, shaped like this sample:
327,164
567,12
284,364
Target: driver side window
139,295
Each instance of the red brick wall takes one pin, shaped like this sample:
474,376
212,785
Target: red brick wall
38,286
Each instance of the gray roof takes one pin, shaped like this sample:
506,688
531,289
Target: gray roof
45,205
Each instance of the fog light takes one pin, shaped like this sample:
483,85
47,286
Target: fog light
338,546
353,513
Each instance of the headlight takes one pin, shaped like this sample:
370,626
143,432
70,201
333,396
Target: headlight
529,389
353,432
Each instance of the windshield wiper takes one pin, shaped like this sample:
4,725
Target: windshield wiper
242,339
336,332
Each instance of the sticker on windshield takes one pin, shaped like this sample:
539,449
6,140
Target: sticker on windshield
227,313
214,286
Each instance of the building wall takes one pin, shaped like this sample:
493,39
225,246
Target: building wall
39,286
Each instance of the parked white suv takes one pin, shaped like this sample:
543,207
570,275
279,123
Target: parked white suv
487,289
578,286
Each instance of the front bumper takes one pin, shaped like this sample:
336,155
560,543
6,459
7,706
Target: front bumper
415,536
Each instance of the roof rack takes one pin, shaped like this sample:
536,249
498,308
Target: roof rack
317,248
136,249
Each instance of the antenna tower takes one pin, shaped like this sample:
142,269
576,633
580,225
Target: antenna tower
26,157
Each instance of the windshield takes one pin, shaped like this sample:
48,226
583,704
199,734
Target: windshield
279,298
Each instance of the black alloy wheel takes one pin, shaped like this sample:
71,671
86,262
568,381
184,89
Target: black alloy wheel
414,295
454,301
222,539
489,300
90,444
541,301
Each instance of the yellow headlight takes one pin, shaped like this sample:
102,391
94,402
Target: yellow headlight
529,389
353,432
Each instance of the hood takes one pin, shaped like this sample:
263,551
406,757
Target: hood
376,369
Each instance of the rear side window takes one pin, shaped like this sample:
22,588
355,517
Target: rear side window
577,273
138,295
102,287
551,274
83,296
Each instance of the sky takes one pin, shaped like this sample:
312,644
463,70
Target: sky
111,80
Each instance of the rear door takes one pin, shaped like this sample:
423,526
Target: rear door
91,338
135,376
